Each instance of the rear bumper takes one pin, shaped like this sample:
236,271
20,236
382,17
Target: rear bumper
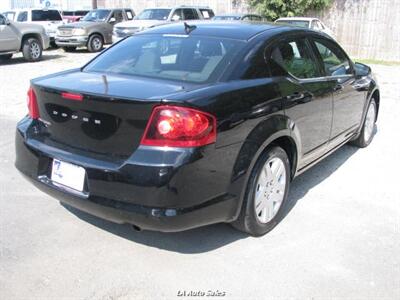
130,193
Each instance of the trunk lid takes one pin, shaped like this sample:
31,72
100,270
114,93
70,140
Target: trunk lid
110,119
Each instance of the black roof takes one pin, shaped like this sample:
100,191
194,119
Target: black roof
229,29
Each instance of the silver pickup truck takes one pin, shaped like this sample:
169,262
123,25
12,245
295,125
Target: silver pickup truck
30,39
93,31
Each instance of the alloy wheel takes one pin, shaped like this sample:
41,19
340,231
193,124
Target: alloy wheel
369,121
270,190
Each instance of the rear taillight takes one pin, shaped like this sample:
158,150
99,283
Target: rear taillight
175,126
33,109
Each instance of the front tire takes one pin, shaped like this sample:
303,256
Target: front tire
266,193
95,43
32,50
368,130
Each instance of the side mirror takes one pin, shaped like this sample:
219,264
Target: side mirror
176,18
362,70
112,20
7,22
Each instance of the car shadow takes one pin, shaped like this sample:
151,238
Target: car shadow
212,237
19,60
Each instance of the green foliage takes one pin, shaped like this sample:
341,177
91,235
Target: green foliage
274,9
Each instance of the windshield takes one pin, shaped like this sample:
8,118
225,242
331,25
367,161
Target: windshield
46,15
154,14
226,18
298,23
182,58
97,15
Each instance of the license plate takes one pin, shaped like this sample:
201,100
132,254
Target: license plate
67,174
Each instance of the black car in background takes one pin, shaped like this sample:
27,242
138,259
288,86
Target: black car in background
186,125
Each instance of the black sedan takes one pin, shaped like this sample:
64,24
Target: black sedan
192,124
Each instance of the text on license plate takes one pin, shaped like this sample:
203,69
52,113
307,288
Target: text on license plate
67,174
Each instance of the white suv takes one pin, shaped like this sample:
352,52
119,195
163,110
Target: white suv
50,19
152,17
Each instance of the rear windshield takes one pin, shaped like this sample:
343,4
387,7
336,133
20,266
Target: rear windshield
154,14
46,15
184,58
295,23
97,15
226,18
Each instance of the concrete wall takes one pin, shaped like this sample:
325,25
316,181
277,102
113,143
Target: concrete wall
366,28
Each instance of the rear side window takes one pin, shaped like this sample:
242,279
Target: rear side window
129,14
46,15
23,16
333,58
295,58
188,59
207,13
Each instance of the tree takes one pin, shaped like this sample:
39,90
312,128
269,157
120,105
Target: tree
274,9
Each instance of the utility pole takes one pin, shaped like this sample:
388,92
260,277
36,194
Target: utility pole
94,4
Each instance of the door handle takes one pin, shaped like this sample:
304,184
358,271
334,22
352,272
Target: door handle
299,97
338,87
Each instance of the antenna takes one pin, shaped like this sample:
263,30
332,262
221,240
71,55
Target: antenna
189,28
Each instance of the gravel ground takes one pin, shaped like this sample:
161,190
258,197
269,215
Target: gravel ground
340,240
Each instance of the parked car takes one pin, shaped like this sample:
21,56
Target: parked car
50,19
71,16
30,39
93,31
185,125
152,17
312,23
238,17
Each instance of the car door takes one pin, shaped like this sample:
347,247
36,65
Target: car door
307,97
348,100
8,36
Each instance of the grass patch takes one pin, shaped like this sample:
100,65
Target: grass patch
376,62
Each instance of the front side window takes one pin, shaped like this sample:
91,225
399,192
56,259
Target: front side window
189,14
188,59
118,16
97,15
23,16
333,58
46,15
295,58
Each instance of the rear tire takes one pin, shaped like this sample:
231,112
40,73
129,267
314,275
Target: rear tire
69,49
32,49
368,128
266,193
5,56
95,43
